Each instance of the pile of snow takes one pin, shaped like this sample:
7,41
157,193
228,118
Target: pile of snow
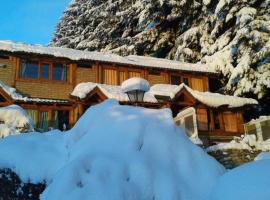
114,152
249,182
135,83
249,142
14,120
35,157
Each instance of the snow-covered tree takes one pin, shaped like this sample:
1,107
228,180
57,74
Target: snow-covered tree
231,35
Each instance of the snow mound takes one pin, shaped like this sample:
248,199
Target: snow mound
14,120
250,182
263,156
114,152
34,157
135,83
122,152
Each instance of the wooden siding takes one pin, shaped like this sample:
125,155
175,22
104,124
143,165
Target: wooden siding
156,79
49,90
202,119
197,84
230,122
86,75
7,73
110,76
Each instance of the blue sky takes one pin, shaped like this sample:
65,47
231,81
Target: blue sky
30,21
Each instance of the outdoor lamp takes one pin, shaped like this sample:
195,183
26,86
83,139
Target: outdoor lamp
135,88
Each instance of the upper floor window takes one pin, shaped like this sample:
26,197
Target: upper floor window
29,69
59,72
43,70
176,80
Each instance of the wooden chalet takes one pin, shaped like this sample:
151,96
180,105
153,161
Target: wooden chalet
56,85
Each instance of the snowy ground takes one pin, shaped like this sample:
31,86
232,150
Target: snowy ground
130,153
114,152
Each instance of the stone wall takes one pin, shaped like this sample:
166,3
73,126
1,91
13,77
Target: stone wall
231,158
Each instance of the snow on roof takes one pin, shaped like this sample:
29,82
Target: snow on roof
169,64
207,98
111,91
135,83
15,95
72,54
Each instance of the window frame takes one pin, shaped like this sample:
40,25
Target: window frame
39,77
182,78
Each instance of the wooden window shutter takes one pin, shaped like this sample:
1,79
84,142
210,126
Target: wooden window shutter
134,74
197,84
230,121
202,119
110,76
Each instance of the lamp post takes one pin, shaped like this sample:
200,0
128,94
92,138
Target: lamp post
135,88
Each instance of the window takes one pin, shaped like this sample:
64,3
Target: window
154,72
216,120
29,70
59,72
60,119
43,71
175,80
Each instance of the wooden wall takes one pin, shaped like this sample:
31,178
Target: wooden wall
48,90
86,74
7,73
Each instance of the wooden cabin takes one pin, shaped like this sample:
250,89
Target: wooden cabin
42,79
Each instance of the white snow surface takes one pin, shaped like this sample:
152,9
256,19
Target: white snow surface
207,98
263,156
13,120
135,83
114,152
141,61
249,182
248,142
111,91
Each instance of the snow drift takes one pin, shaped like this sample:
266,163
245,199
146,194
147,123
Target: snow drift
14,120
250,182
114,152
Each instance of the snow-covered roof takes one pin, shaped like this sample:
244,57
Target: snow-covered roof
207,98
76,55
169,64
111,91
15,95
